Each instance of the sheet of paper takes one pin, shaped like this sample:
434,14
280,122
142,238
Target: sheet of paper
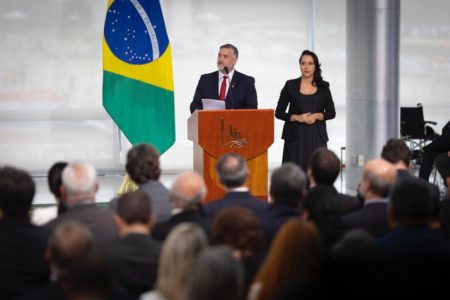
213,104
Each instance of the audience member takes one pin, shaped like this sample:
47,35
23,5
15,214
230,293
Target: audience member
442,163
233,172
287,189
238,227
134,258
439,145
144,169
321,206
45,214
186,196
415,256
70,243
179,253
378,176
217,275
324,168
293,265
79,188
22,244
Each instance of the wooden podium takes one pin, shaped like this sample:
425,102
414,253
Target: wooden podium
247,132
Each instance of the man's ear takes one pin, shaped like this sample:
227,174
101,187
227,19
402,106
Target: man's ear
119,222
63,192
390,217
97,186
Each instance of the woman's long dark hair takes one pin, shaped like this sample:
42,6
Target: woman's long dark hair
317,79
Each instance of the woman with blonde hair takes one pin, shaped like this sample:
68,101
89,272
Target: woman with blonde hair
178,255
293,264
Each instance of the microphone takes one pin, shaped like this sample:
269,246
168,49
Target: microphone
230,87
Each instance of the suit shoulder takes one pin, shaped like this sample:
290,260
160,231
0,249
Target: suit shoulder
325,85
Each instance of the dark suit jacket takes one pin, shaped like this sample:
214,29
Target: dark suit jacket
273,217
162,229
99,220
289,96
22,262
134,261
241,93
244,199
372,217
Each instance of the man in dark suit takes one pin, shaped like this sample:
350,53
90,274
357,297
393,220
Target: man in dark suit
134,258
187,193
232,172
378,176
144,169
324,168
287,189
22,244
439,145
236,89
79,187
69,244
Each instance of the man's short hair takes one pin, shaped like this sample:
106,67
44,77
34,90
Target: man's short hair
134,207
16,192
396,150
188,191
232,170
287,184
79,178
143,163
378,185
411,201
71,240
325,166
232,47
54,178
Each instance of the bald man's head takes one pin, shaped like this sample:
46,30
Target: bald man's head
378,176
188,190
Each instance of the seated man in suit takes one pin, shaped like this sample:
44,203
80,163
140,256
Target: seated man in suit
439,145
79,188
287,190
232,172
187,193
324,168
227,84
22,244
378,176
134,258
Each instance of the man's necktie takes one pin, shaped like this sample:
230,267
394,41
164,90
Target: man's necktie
223,88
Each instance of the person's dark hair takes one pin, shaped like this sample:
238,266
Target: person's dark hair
325,166
134,207
411,201
16,192
321,204
232,47
396,150
217,275
287,184
237,227
143,163
54,178
317,80
232,170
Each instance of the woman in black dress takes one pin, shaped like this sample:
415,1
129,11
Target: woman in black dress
310,105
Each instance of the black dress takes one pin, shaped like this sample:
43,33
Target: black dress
302,139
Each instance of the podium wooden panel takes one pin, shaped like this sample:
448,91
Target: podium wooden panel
247,132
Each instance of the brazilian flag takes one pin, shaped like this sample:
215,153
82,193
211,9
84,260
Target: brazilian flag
137,72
